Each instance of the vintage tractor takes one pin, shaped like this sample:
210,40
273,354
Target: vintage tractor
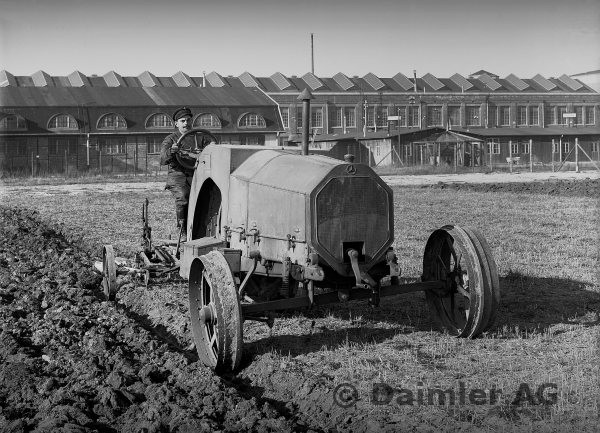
277,229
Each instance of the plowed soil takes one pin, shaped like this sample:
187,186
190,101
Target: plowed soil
575,188
71,362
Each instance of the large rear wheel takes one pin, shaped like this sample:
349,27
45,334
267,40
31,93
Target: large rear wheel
468,304
215,313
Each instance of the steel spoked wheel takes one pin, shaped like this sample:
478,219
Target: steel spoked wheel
467,306
215,313
109,272
490,275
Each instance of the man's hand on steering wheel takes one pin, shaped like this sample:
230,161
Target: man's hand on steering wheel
187,150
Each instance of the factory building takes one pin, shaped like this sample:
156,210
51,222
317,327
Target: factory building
481,119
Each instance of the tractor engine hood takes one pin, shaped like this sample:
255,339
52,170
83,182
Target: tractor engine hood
333,205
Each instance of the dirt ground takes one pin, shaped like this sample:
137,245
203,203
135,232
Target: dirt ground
583,184
72,362
483,181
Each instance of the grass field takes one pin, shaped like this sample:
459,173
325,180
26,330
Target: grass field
547,332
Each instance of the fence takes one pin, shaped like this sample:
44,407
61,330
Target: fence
38,157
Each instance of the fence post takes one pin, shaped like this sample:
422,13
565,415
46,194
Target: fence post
560,155
510,155
531,155
135,158
576,155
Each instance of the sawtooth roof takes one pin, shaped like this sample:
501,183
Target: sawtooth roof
480,81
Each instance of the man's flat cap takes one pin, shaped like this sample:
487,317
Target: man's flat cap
181,112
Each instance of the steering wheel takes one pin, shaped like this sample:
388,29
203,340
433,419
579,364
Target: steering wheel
191,144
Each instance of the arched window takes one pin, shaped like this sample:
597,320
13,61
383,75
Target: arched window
63,121
252,120
112,121
12,122
159,121
207,121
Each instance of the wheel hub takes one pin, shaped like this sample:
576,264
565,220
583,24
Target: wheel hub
207,314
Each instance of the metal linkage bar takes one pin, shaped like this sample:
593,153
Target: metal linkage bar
331,297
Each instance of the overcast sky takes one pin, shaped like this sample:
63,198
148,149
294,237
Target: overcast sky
524,37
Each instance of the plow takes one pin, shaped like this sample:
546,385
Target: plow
152,261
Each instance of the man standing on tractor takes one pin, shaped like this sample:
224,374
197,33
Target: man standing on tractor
179,178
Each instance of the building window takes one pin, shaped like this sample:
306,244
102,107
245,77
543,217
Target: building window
339,117
554,146
521,115
589,115
12,122
504,113
112,145
382,115
434,115
350,115
154,144
344,117
514,147
252,120
316,117
454,115
413,116
560,118
377,116
370,117
285,116
472,115
63,121
401,113
159,121
595,146
112,121
534,118
494,146
525,147
578,114
550,115
60,145
207,121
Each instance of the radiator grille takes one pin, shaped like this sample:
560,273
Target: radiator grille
352,209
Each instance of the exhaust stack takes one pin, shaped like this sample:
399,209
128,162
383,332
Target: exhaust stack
305,97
